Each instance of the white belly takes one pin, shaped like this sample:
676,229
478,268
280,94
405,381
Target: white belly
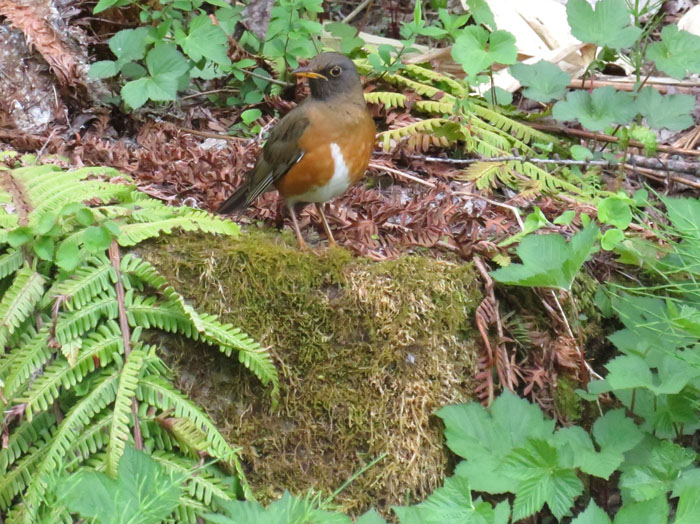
337,185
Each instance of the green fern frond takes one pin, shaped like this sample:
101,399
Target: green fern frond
161,394
143,270
73,324
189,511
17,479
423,126
102,393
204,485
521,131
121,413
131,234
424,73
419,87
483,173
26,360
250,353
549,182
91,441
98,349
19,301
84,284
435,107
23,437
146,312
388,98
10,262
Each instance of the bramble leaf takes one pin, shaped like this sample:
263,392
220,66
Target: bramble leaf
678,52
548,261
543,81
596,110
477,50
606,25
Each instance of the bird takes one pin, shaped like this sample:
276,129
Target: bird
317,150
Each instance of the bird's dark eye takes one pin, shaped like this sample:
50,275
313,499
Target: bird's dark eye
336,70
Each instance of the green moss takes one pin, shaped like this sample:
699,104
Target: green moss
366,352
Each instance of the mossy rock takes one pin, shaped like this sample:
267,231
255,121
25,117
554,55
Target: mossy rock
366,352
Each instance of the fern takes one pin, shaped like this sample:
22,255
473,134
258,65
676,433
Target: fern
74,324
121,414
10,262
64,345
161,394
23,438
388,98
84,284
424,126
204,485
98,348
18,301
52,463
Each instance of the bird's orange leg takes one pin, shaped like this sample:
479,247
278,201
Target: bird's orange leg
300,239
331,240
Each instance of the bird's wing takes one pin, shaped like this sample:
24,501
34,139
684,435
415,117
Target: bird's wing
279,154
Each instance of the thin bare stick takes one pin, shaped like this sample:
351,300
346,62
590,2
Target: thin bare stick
402,174
356,11
115,259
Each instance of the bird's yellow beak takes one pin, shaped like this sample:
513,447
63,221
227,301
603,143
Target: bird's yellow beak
305,72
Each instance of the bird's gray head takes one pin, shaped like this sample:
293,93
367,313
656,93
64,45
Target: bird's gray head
330,75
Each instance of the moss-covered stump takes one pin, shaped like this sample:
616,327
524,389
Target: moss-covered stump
366,352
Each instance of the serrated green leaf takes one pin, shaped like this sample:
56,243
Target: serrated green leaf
97,239
669,111
68,255
43,247
592,515
678,52
615,210
597,110
565,218
580,153
543,81
655,510
548,261
20,236
85,217
103,69
129,44
476,50
482,13
608,24
206,40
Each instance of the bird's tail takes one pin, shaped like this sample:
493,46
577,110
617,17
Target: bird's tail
236,202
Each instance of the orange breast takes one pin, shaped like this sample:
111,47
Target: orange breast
354,133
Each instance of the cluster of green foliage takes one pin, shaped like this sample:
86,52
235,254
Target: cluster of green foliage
78,382
179,43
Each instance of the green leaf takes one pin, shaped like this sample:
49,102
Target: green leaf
607,25
349,41
104,4
688,511
543,81
597,110
654,510
43,247
543,479
481,12
129,44
250,115
548,261
166,66
669,111
565,218
371,517
144,492
677,54
68,255
20,236
97,239
103,69
451,503
580,153
477,51
592,515
615,210
206,40
85,217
